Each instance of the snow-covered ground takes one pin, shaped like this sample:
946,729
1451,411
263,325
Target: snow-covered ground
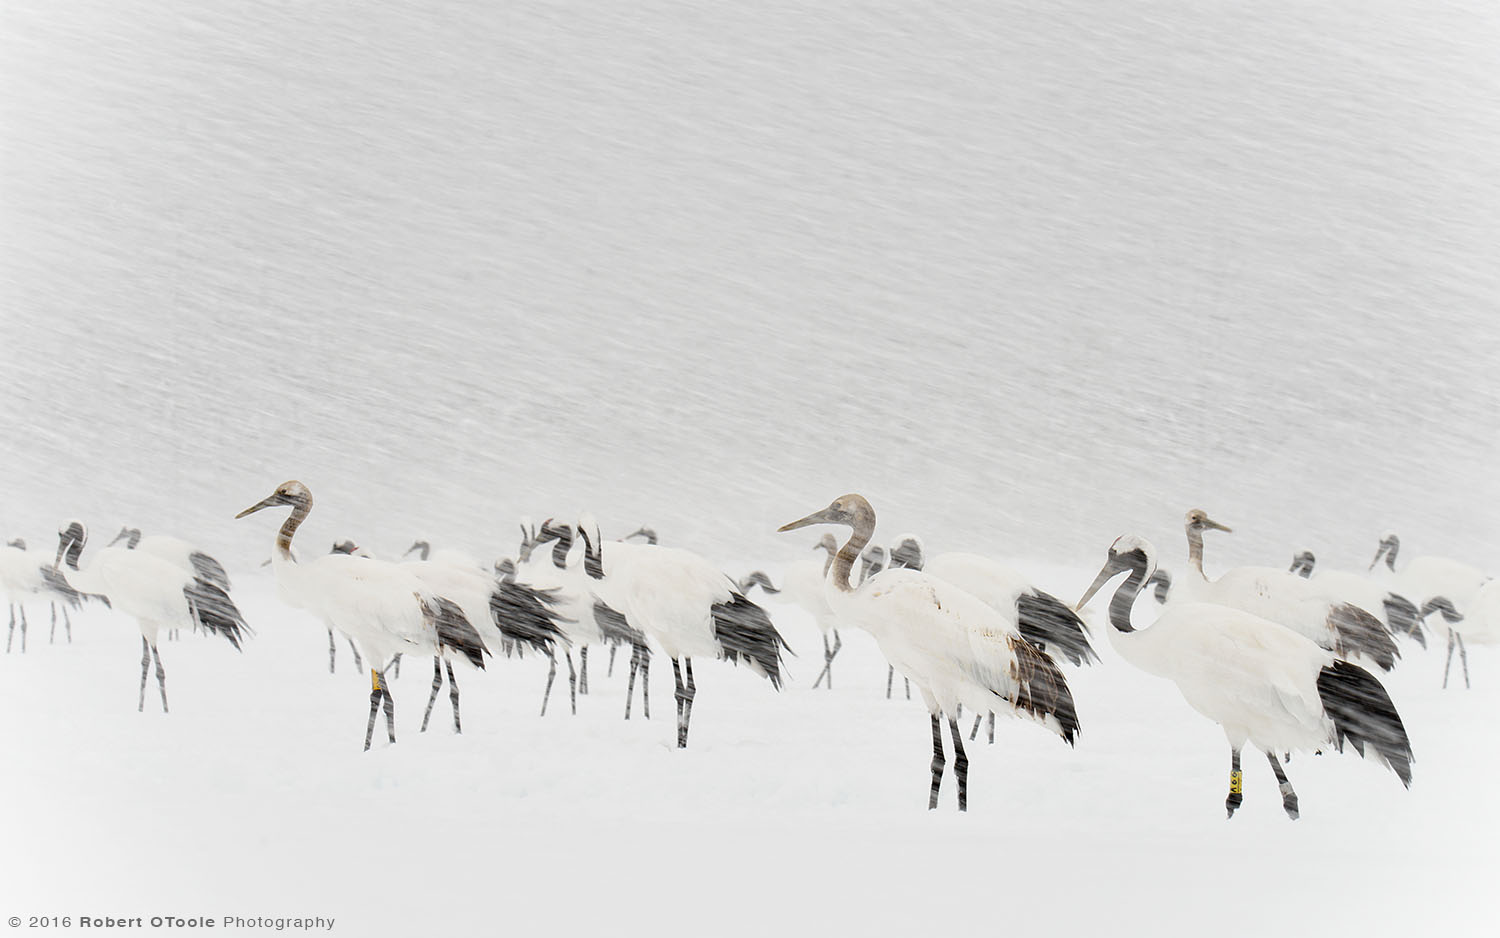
802,812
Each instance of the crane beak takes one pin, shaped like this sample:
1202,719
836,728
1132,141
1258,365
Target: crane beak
1212,525
269,501
124,532
826,516
1105,575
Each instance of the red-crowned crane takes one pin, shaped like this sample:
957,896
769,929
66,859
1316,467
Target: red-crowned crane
1264,684
953,646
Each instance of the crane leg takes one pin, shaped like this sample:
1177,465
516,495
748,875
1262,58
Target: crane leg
375,698
330,651
10,635
52,632
397,675
611,671
437,685
1446,667
645,682
1288,797
572,682
390,710
908,687
68,624
685,692
1236,783
551,673
161,678
453,696
992,727
583,670
960,765
145,669
359,663
635,661
974,733
1463,656
937,762
890,679
23,629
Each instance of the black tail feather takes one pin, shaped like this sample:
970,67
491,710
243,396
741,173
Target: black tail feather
1402,614
615,628
525,615
1358,632
1445,606
1048,623
1042,690
454,630
215,612
1362,713
58,584
744,631
209,569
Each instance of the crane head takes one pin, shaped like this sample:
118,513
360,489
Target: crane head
292,493
1199,521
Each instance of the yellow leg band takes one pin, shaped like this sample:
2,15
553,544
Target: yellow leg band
1236,782
374,680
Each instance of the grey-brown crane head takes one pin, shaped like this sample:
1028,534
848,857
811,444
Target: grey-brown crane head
292,493
1198,521
851,510
131,537
1303,563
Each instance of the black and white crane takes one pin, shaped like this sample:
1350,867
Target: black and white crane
953,646
157,593
1264,684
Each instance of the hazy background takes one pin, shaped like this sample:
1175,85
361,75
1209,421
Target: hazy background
1027,275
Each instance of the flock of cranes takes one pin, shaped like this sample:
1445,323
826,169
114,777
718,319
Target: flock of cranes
1282,660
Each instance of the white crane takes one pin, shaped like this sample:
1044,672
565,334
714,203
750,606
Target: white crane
157,593
1480,625
956,649
1265,685
27,576
1428,577
1330,620
1399,615
384,608
1046,621
549,573
176,551
686,605
500,610
1437,584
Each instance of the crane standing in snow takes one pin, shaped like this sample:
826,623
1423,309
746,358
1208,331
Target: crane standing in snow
1262,683
956,649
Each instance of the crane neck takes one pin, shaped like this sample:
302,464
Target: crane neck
843,561
1124,599
1195,551
300,511
560,550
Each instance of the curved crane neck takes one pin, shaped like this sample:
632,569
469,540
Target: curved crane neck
1195,550
1124,599
561,547
300,511
843,562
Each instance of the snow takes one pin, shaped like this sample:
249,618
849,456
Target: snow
1029,276
802,812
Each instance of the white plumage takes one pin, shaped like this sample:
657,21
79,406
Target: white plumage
686,605
26,576
385,609
157,593
953,646
1279,596
1265,685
